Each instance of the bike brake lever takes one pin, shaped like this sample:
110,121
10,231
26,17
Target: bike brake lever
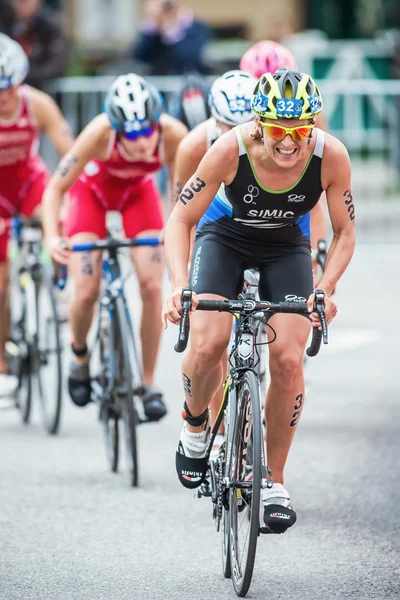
319,308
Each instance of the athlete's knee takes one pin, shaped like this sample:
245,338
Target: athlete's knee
151,289
4,284
285,364
87,293
3,297
206,351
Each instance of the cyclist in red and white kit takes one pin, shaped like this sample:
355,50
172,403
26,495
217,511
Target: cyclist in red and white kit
24,112
110,167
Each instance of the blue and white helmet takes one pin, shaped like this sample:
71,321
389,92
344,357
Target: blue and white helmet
14,64
230,98
132,100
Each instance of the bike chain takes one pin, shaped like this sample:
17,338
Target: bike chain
219,496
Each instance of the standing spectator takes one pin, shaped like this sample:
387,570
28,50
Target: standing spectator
41,33
6,17
170,39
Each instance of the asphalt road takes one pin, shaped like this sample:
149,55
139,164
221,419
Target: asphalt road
70,530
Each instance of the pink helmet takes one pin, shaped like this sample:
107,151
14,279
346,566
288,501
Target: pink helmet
266,57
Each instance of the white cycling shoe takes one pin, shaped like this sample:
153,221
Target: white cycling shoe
191,459
279,514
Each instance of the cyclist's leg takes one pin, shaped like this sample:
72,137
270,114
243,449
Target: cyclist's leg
284,277
215,406
85,221
8,383
217,272
4,303
32,193
142,217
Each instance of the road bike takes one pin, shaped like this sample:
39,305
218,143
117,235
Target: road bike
235,479
35,347
117,379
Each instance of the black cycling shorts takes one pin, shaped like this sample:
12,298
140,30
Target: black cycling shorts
218,268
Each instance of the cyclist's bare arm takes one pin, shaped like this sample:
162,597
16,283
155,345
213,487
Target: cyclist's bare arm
218,166
189,154
336,180
173,132
91,143
50,120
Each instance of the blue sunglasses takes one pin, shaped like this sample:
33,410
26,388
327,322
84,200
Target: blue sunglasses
134,135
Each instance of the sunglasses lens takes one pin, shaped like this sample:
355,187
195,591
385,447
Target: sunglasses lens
277,133
301,133
134,135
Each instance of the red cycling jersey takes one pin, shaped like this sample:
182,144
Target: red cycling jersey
116,183
23,175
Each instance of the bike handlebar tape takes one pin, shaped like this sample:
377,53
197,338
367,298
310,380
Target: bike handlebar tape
315,345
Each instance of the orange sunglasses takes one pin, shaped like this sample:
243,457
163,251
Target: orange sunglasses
277,132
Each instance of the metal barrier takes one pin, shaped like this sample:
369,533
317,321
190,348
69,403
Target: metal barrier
363,114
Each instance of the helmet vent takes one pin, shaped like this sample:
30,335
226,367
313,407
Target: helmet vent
310,88
288,90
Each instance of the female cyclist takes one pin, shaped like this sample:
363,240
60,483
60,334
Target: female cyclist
266,57
267,176
24,113
110,167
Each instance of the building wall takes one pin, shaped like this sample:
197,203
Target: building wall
266,19
95,20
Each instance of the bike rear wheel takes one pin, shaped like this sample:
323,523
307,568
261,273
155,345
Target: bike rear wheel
245,490
126,399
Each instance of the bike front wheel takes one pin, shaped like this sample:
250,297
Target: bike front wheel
47,361
126,398
245,485
23,362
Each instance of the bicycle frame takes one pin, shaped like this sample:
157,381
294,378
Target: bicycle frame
242,352
114,289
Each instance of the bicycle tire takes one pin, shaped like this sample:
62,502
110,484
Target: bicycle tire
108,412
111,437
24,390
225,531
126,396
50,344
249,411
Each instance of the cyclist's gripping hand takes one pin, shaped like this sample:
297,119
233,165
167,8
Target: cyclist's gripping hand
330,310
58,250
172,308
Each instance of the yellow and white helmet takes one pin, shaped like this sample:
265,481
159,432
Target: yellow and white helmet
286,94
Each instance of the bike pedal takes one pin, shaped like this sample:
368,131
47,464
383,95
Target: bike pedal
267,531
204,490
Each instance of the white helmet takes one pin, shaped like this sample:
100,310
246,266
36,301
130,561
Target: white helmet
14,64
132,99
230,98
